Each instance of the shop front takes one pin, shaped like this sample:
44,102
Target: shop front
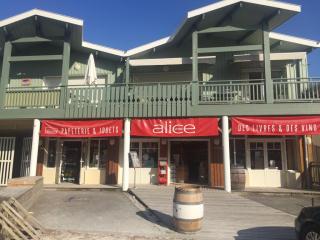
268,151
80,152
180,146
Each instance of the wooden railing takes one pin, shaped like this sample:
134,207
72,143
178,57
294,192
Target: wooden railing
164,99
297,90
232,92
32,97
314,169
131,100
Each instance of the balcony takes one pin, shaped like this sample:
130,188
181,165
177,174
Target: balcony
158,99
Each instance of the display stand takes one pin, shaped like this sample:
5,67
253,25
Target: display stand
162,171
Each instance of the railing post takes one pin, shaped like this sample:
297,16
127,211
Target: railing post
195,76
267,63
5,72
65,73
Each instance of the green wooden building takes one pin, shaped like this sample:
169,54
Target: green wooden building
224,62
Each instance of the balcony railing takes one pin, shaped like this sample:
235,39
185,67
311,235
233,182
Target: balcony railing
157,99
232,92
297,90
32,97
138,100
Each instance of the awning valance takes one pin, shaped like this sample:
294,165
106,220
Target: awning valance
81,129
175,127
270,126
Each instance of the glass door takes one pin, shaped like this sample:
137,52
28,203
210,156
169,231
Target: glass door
70,166
257,155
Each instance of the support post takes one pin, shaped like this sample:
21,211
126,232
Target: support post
226,153
127,79
267,64
5,72
35,147
306,161
65,72
126,150
195,75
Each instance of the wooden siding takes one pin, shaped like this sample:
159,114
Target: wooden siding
216,169
112,162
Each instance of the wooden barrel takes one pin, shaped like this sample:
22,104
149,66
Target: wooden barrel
187,209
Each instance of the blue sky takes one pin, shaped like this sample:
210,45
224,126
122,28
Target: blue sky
125,24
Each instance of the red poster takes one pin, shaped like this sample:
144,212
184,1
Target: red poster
175,127
269,126
81,129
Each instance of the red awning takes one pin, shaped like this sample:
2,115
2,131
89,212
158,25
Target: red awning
270,126
81,129
175,127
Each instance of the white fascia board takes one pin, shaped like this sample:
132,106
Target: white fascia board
37,12
273,57
104,49
292,39
221,4
171,61
148,46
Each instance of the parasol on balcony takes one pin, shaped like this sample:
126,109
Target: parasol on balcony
91,73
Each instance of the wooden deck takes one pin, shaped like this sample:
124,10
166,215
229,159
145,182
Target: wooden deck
227,216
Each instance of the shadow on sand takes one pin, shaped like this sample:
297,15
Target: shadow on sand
266,233
156,217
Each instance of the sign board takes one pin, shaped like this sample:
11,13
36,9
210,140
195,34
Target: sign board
175,127
133,156
270,126
83,129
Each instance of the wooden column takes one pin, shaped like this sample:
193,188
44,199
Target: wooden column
267,64
195,72
5,72
65,72
127,79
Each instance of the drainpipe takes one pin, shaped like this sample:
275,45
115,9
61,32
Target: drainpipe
35,147
226,153
126,150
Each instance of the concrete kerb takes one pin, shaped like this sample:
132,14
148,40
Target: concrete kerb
280,193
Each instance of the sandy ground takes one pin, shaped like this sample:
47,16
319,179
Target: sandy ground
63,235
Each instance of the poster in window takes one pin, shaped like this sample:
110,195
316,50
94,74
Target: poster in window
133,156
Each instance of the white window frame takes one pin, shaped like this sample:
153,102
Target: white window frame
89,152
145,140
265,152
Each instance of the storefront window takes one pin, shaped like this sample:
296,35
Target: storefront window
274,155
237,153
52,153
257,155
98,153
147,153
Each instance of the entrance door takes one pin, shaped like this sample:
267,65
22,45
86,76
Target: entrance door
70,166
26,157
190,160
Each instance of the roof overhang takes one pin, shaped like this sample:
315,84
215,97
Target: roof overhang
52,26
285,43
241,13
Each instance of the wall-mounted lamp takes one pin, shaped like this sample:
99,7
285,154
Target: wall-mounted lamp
111,141
163,141
216,141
